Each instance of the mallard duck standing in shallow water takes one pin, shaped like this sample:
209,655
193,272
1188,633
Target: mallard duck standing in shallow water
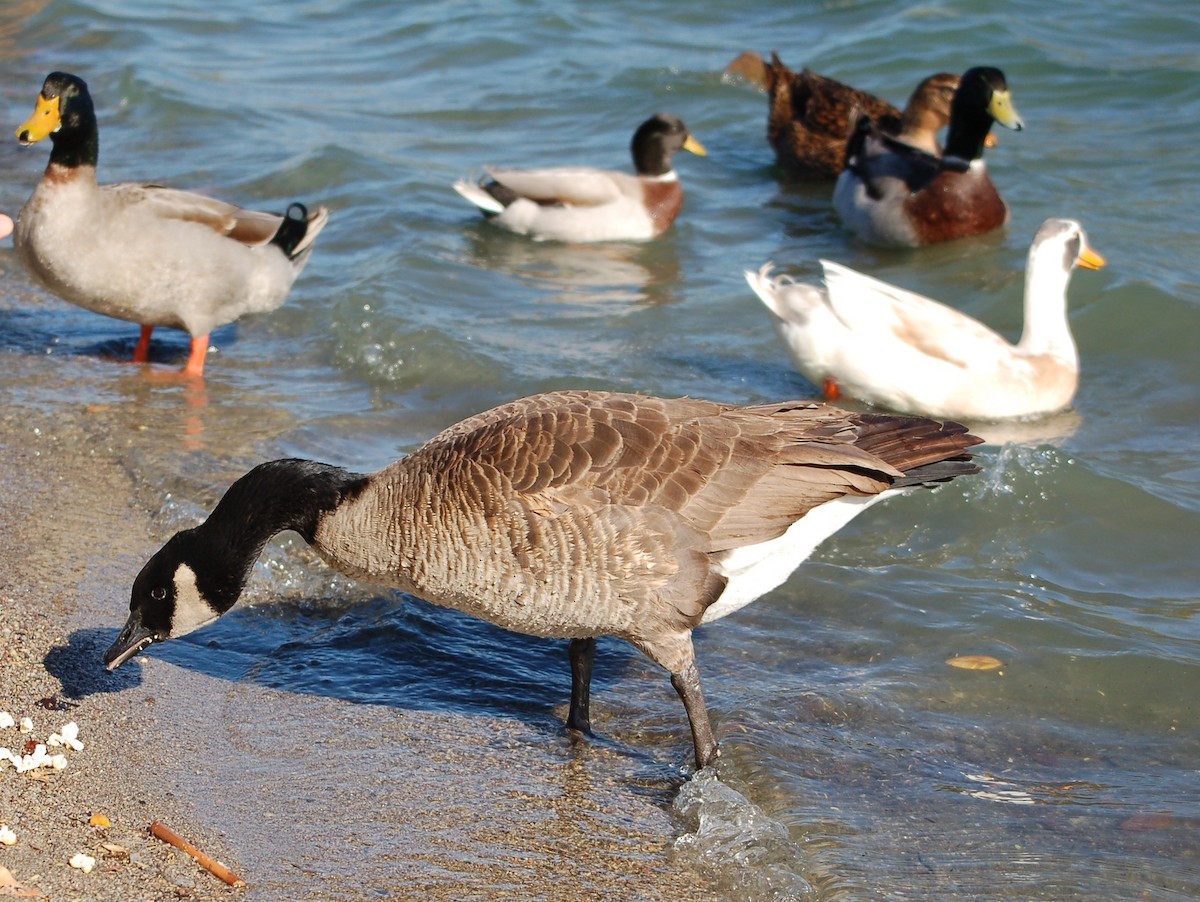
581,204
811,117
901,350
144,253
891,195
571,514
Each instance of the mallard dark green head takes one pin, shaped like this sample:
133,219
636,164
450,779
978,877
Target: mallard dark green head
657,140
64,113
982,98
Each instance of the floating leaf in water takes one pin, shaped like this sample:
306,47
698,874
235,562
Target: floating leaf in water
975,662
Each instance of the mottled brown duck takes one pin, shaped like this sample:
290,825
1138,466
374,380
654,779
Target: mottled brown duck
811,117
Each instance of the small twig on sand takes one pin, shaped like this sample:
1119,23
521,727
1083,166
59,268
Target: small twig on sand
214,867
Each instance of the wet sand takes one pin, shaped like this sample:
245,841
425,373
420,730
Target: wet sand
69,526
304,796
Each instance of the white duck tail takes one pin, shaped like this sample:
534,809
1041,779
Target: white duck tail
783,296
480,198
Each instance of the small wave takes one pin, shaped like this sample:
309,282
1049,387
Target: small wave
747,852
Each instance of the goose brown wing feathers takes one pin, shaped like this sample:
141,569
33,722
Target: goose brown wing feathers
737,476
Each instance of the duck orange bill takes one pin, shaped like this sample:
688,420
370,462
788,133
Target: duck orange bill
695,147
991,140
1089,259
44,122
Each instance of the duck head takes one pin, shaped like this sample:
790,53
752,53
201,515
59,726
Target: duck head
657,140
983,97
64,113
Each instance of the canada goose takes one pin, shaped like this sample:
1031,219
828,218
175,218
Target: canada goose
892,195
811,117
144,253
571,515
900,350
580,204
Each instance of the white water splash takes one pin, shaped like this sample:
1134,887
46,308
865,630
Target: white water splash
746,851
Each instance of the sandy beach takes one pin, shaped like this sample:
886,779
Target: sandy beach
69,527
171,743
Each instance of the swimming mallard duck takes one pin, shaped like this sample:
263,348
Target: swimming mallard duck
572,515
144,253
6,226
811,117
892,195
900,350
581,204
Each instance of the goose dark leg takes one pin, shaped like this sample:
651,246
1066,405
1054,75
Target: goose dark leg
687,684
583,654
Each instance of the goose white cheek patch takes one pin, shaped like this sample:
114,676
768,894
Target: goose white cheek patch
191,610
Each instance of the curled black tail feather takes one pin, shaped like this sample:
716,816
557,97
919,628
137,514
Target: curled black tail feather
292,230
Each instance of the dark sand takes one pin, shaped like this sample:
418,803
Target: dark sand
304,796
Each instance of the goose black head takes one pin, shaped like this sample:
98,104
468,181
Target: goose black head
200,573
169,600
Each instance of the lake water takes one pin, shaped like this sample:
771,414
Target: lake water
856,764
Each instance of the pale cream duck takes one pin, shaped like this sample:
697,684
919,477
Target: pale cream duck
571,515
903,351
581,204
144,253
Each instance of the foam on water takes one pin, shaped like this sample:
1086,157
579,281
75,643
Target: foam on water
748,853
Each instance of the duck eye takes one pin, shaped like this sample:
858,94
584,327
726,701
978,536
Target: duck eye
158,593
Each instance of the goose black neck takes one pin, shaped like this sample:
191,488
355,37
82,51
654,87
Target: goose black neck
271,498
280,495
